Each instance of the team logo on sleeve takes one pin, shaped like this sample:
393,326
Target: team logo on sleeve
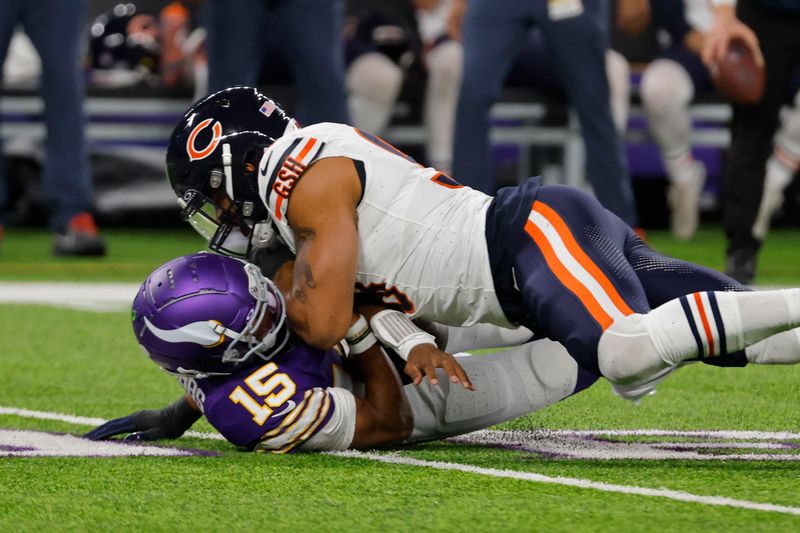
289,173
201,153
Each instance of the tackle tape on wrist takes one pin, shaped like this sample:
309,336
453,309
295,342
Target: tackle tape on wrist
398,332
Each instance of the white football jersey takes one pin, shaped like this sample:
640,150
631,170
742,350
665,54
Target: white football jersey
422,244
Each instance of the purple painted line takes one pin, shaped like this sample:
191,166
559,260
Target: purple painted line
10,448
165,119
135,143
20,117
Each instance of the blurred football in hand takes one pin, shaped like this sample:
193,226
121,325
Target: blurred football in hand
738,76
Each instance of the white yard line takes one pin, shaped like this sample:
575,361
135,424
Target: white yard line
87,296
572,482
712,433
397,459
84,296
85,421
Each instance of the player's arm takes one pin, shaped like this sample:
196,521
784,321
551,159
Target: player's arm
322,213
151,424
383,416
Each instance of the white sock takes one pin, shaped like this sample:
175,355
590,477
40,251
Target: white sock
780,349
721,322
703,324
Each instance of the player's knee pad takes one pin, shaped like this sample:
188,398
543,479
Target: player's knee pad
375,77
627,351
445,64
666,86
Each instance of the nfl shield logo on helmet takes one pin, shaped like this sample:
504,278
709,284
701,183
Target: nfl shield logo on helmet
267,108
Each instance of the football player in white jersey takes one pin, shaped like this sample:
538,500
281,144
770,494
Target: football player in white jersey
360,219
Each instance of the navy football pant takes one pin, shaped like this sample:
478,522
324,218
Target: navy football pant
582,267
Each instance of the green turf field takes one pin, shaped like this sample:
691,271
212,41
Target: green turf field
65,361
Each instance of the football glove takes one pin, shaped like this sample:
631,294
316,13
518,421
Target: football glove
151,424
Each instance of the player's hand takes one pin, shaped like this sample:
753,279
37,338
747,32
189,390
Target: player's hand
724,28
455,20
633,16
151,424
426,358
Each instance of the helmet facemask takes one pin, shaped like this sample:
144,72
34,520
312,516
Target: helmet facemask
267,297
227,209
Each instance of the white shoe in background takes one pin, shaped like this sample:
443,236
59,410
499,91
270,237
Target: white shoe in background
771,201
683,197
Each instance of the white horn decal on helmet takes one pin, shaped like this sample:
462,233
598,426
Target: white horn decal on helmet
202,153
202,333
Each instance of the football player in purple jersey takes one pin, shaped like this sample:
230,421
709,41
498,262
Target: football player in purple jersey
220,327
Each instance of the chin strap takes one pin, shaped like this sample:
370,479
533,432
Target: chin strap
227,166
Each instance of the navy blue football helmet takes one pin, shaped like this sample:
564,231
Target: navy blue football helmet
212,164
125,47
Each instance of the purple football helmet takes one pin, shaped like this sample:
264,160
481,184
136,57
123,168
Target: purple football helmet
206,314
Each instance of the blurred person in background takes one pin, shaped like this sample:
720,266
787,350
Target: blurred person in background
147,45
782,166
381,46
669,85
311,32
774,26
55,29
576,35
387,43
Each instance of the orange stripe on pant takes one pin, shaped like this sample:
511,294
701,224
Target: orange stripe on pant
567,279
706,326
577,252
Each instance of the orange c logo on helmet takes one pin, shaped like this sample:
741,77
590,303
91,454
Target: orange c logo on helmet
202,153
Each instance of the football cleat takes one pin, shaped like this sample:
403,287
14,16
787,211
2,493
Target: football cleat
80,237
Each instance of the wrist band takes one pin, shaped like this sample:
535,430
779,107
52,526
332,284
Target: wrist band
359,328
398,332
360,337
361,346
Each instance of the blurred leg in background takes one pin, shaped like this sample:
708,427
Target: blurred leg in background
311,32
752,131
8,21
576,36
782,165
493,34
668,88
55,28
579,45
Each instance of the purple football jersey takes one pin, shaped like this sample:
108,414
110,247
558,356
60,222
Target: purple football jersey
278,404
